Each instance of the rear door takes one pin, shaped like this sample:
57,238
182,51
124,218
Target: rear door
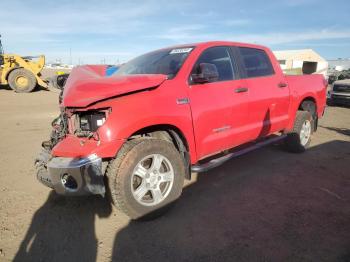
212,104
268,92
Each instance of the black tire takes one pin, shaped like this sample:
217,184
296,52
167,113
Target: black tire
61,81
330,102
53,82
120,170
293,142
28,86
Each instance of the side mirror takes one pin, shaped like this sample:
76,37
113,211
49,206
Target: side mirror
207,73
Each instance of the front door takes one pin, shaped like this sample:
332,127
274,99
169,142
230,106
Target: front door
218,107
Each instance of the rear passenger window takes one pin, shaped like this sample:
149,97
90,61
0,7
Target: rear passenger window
256,62
220,57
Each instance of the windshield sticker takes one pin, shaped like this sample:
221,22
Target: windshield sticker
181,50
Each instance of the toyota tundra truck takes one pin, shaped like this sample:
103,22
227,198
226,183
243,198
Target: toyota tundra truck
137,134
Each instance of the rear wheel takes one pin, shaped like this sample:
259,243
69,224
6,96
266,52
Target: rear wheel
146,178
22,80
310,106
299,139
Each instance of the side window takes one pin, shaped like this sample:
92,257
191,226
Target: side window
220,57
256,62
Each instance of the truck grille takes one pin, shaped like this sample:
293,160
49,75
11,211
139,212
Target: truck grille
341,88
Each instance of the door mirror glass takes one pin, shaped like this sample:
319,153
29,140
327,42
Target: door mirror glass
206,73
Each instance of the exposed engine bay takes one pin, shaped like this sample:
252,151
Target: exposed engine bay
59,130
80,175
81,123
86,123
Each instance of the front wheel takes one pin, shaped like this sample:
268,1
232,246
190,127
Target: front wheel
146,177
299,139
22,80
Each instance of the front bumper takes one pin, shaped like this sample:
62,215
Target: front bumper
73,176
340,98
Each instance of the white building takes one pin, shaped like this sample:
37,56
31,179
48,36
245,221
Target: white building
304,61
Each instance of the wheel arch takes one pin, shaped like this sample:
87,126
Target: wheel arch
296,105
170,133
305,99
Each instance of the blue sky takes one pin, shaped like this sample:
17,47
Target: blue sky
115,30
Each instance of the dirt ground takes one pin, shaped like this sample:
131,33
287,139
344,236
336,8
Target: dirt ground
268,205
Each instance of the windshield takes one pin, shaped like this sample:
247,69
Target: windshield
165,61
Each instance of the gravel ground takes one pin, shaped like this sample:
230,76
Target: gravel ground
268,205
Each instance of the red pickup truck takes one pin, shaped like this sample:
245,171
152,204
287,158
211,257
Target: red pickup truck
141,131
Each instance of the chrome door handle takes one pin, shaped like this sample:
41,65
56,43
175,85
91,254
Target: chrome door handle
241,90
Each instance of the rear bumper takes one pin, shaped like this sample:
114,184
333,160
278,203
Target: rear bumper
74,176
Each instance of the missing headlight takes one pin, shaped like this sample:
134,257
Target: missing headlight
86,123
91,120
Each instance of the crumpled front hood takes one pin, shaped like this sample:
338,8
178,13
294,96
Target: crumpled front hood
88,84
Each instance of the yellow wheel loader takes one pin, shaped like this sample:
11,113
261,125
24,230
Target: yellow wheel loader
22,74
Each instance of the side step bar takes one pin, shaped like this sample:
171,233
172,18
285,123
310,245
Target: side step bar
220,160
